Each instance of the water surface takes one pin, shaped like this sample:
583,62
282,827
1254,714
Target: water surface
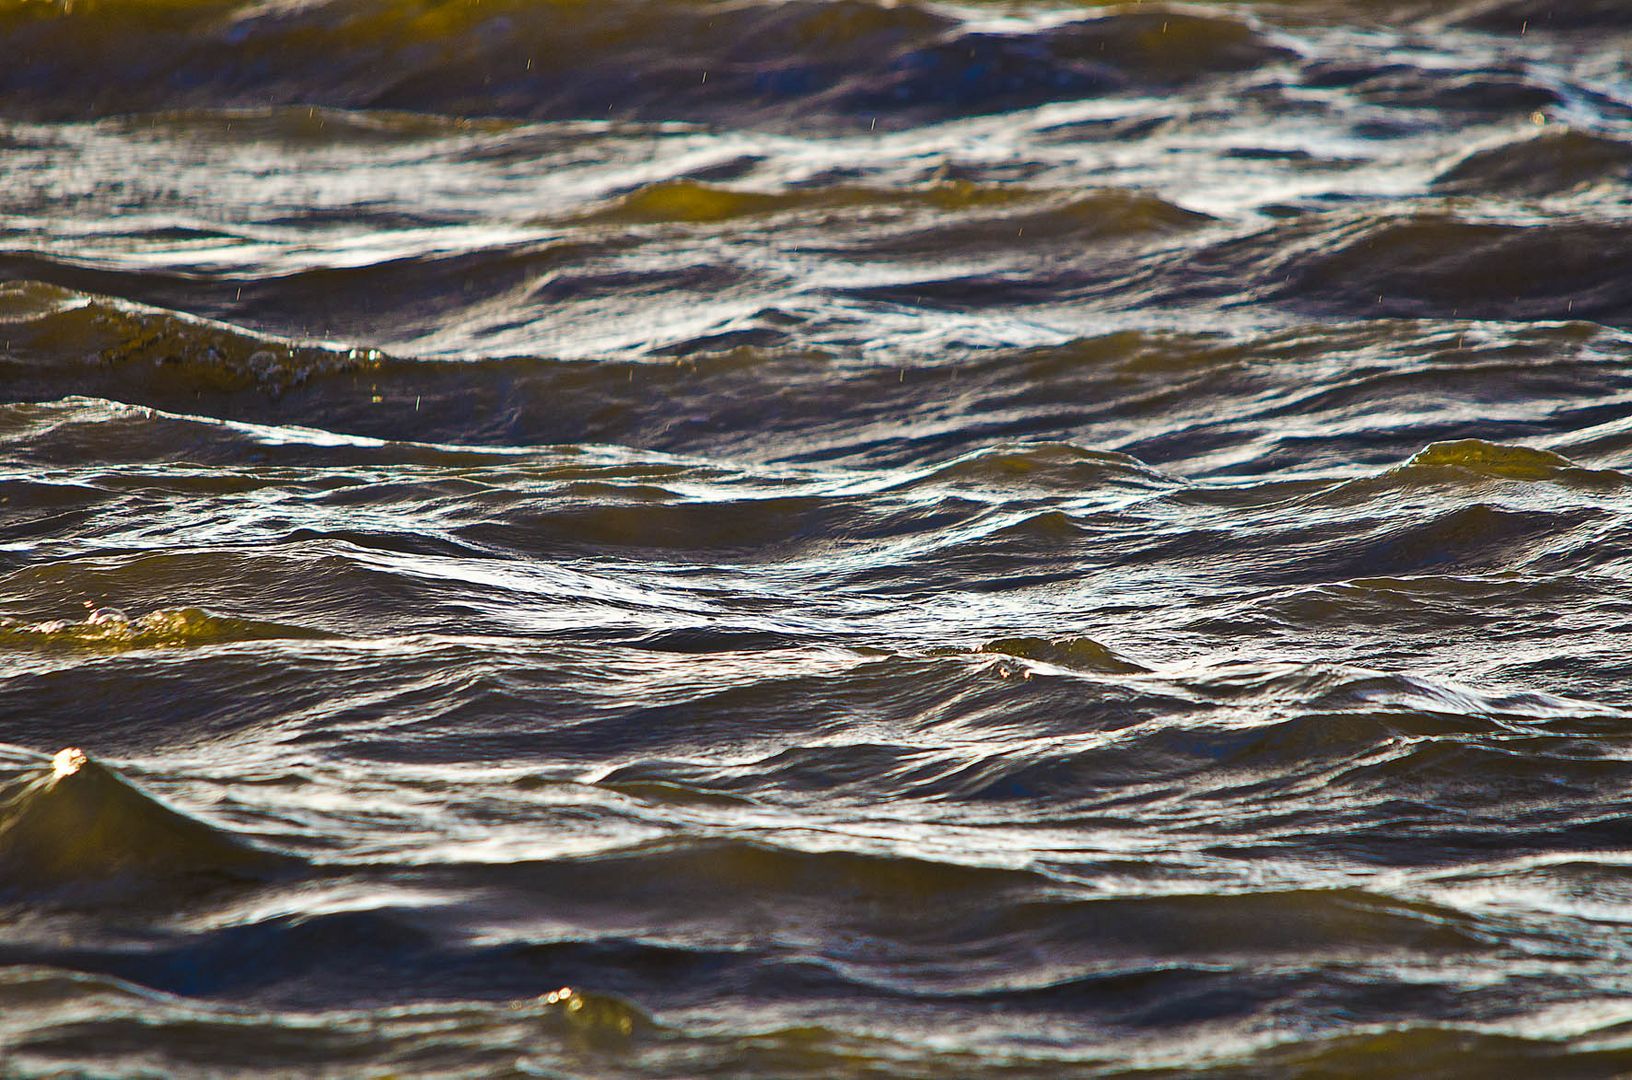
815,538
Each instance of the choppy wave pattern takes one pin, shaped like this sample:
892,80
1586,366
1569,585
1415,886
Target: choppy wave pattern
818,538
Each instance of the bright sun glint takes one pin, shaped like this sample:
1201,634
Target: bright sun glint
68,761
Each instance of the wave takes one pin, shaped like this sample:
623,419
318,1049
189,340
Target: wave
1519,16
1557,161
51,328
74,429
1059,468
974,215
1084,743
1446,1048
1506,462
753,530
1467,466
1078,653
1431,265
571,281
111,630
1426,605
654,874
1470,538
809,406
1496,90
406,300
314,587
178,1037
76,828
567,1027
811,60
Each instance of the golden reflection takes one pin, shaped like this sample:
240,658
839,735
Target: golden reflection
67,762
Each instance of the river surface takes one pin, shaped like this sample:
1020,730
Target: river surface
820,538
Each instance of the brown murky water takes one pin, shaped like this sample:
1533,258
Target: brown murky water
820,538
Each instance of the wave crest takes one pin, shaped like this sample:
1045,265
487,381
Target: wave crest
80,824
111,630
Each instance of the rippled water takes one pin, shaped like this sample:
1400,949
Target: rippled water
819,538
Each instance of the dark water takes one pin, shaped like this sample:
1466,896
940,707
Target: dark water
859,539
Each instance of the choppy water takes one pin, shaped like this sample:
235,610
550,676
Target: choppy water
863,539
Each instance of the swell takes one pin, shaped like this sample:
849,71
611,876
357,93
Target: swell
1191,398
1077,731
1431,264
190,1038
582,296
111,630
407,299
1558,161
1349,744
576,281
74,829
832,61
1568,16
187,1037
963,216
1464,463
1106,955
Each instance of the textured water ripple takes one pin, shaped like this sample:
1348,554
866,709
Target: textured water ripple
824,538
